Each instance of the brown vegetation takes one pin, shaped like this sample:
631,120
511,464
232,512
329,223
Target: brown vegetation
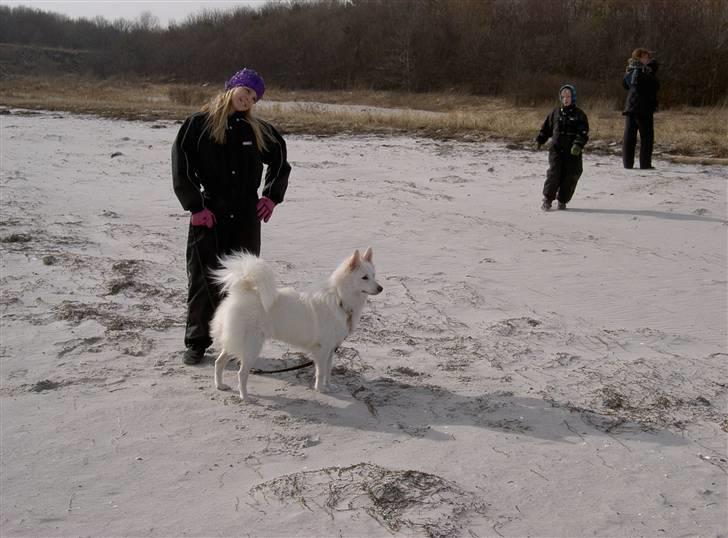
475,69
520,50
698,133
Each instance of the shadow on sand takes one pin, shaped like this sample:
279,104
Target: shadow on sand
649,213
426,411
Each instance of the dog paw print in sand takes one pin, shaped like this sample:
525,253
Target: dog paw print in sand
403,501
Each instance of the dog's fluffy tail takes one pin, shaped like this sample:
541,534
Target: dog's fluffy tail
246,271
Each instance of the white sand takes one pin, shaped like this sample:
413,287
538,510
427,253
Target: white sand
522,374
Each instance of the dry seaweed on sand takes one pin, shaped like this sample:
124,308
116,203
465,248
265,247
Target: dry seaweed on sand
396,499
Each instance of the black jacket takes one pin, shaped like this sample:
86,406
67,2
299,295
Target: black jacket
566,126
226,177
642,85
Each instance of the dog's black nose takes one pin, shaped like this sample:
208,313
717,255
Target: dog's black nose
379,289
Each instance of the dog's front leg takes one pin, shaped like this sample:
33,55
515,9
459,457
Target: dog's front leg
318,384
322,369
329,366
324,364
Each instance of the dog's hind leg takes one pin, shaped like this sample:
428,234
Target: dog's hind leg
220,364
253,345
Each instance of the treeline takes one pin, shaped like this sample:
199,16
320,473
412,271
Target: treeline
522,49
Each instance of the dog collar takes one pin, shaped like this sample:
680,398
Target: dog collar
349,315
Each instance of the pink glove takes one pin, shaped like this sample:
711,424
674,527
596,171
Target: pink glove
265,208
203,218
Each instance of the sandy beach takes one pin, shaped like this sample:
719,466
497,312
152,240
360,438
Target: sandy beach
523,373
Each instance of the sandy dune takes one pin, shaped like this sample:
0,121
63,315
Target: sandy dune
522,374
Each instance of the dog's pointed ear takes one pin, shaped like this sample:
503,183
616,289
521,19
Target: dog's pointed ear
368,255
354,261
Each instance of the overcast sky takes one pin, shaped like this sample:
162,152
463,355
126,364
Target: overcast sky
131,9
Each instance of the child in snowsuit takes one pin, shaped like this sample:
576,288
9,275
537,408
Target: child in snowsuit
568,128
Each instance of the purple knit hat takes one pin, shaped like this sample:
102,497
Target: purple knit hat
248,78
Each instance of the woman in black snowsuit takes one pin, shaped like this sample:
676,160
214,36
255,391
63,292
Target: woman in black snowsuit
640,81
217,167
568,128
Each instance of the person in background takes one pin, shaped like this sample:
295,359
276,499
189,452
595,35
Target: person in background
568,128
217,167
640,81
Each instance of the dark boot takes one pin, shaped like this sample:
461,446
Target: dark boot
193,355
546,205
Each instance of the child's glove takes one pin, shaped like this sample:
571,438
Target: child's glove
265,208
575,150
203,218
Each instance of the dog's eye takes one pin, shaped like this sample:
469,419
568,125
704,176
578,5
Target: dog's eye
365,277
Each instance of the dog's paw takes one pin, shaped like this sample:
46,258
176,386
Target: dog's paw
247,398
332,387
222,386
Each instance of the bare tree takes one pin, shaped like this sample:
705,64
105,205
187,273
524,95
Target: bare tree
518,48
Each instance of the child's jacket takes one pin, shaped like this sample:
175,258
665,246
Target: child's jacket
642,85
566,126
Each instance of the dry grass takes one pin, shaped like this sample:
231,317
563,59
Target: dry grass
109,98
697,134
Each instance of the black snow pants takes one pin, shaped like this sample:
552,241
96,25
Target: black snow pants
562,176
644,123
232,232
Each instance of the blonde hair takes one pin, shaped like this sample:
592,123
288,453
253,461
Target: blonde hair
219,108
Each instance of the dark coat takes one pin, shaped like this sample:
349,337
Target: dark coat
642,85
566,126
226,177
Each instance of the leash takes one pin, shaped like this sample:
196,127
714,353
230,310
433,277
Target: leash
296,367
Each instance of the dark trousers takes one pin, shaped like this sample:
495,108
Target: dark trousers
633,123
232,232
562,176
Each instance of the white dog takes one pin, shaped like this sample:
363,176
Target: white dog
255,310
